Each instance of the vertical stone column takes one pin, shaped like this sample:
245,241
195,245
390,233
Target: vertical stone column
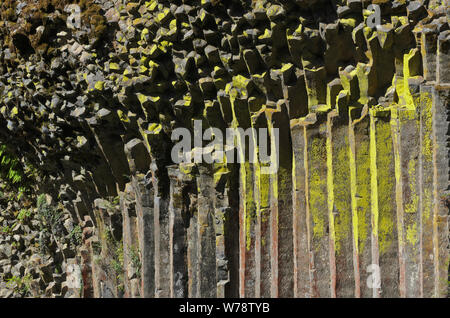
247,206
281,204
359,140
247,222
316,86
316,202
428,50
339,206
86,273
130,243
301,215
126,237
262,206
384,216
162,238
443,58
441,105
192,245
103,251
262,196
222,211
144,197
207,282
295,93
231,229
409,151
139,163
177,235
158,144
399,200
426,191
440,111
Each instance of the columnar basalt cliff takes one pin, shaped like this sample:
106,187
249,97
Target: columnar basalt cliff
92,204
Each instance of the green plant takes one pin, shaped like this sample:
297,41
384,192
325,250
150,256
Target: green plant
75,235
118,259
121,288
117,265
112,257
133,253
17,175
50,217
96,247
20,284
49,214
112,202
116,200
24,214
41,200
8,161
6,230
107,236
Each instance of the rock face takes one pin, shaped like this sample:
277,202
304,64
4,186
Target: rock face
359,95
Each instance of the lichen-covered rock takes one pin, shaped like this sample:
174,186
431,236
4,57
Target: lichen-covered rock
89,101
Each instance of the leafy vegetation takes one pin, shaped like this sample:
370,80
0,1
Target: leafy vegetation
133,253
24,214
10,170
117,265
49,215
5,230
16,176
75,236
112,203
112,257
20,285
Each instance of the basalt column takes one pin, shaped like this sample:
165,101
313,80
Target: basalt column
321,168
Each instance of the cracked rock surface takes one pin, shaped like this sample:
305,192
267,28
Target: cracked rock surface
87,111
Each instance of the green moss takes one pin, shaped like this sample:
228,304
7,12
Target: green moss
386,185
20,284
264,185
134,255
18,175
341,187
411,207
412,235
24,214
249,204
363,191
317,188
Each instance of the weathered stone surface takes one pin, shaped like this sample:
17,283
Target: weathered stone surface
89,109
